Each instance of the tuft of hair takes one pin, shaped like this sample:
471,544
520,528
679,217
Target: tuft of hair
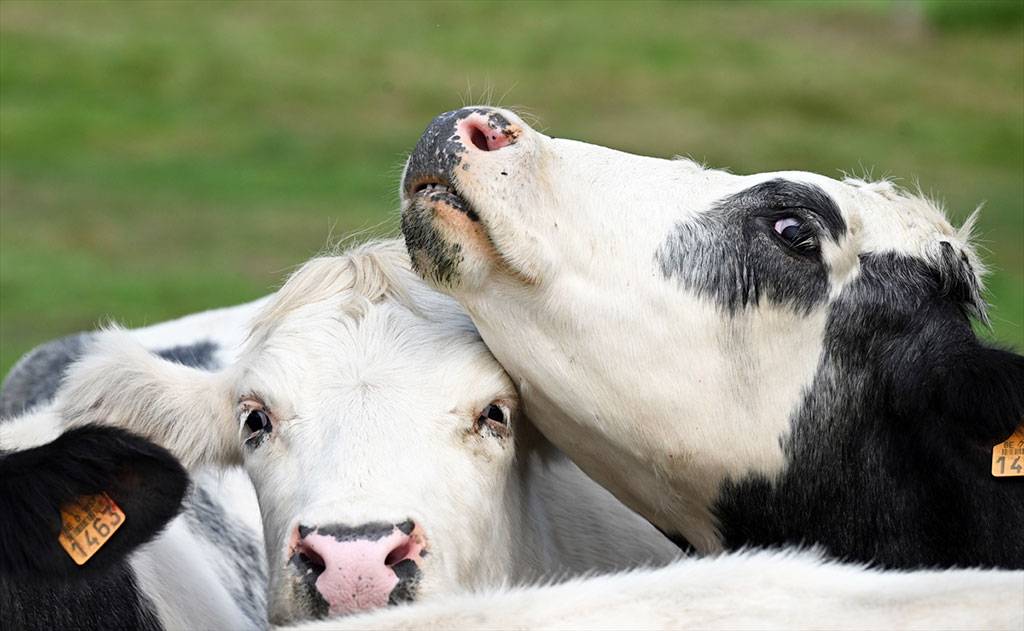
952,255
363,275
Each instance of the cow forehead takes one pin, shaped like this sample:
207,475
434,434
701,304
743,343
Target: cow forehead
319,362
885,217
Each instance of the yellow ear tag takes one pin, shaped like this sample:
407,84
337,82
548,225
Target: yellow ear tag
1008,456
87,524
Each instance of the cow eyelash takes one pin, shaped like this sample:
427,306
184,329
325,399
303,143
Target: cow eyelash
493,420
795,232
254,422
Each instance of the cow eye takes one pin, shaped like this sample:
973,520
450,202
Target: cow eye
796,233
493,420
257,425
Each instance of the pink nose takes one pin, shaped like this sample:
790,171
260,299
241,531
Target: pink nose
359,568
485,134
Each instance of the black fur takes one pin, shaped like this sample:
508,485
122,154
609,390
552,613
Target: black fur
37,375
197,355
433,256
40,586
371,531
730,254
890,453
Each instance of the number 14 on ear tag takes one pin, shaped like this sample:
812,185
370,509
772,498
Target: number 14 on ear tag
87,524
1008,456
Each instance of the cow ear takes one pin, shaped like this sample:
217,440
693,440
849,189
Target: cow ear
144,481
186,410
982,391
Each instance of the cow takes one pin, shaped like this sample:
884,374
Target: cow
764,589
562,523
206,568
779,359
163,568
393,466
385,444
42,585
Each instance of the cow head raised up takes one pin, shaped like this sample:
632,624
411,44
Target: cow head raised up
378,431
689,335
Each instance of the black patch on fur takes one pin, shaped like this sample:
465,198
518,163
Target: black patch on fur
197,355
406,527
433,257
37,375
889,457
309,598
40,586
730,254
371,531
246,578
408,573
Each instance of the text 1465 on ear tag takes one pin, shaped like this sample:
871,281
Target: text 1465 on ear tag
1008,456
87,524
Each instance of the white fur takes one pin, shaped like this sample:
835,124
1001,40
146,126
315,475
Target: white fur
374,383
177,573
757,590
32,429
558,289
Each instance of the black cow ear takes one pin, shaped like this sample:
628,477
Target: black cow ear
145,481
983,391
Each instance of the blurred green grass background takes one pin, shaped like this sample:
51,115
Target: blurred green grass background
161,158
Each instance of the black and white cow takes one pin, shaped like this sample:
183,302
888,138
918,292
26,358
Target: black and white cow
391,465
763,360
382,439
41,587
205,569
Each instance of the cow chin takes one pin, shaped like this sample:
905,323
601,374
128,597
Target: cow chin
448,247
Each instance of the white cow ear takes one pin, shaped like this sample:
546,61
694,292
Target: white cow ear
183,409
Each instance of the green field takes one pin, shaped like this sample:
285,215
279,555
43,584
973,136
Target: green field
158,159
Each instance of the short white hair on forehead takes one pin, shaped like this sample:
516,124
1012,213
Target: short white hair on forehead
922,225
360,277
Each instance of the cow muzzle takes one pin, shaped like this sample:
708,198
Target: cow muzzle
343,569
457,163
448,141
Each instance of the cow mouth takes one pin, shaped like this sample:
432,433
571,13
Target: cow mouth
437,237
434,192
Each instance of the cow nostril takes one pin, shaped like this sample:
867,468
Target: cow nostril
399,554
479,139
480,132
311,559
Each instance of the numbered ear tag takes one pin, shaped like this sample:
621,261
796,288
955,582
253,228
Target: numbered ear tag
87,524
1008,456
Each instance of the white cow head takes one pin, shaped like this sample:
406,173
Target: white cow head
664,322
379,433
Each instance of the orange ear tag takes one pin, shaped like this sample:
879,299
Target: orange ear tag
87,524
1008,456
